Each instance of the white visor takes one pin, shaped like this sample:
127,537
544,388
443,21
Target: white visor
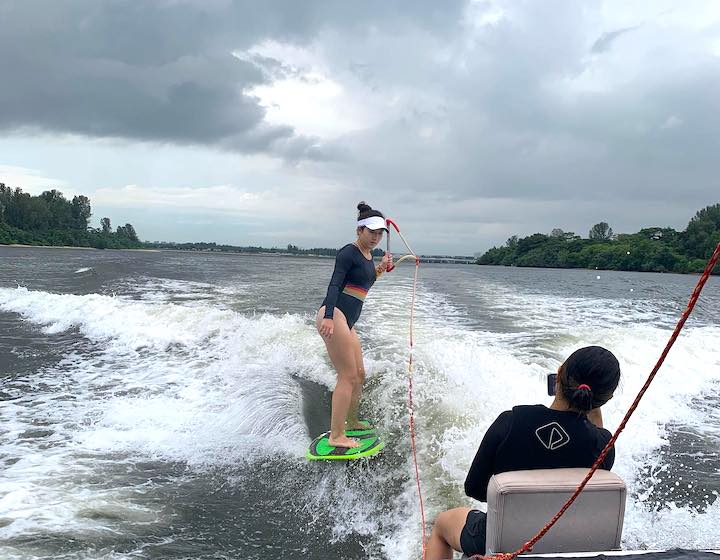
373,222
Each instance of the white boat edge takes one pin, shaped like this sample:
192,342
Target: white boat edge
608,553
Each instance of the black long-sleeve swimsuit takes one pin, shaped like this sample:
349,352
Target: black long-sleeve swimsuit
353,276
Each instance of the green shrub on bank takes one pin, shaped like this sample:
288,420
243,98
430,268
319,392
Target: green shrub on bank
51,219
649,250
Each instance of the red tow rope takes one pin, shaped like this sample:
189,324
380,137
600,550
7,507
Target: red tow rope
389,223
527,547
411,406
412,254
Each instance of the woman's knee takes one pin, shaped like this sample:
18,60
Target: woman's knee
357,350
359,380
443,522
353,376
346,367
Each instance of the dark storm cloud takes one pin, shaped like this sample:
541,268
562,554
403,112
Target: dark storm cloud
163,70
516,115
535,115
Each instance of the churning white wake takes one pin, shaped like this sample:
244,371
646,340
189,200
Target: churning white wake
188,380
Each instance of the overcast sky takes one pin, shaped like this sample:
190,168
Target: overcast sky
264,123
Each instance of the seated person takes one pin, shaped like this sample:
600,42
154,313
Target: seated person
568,434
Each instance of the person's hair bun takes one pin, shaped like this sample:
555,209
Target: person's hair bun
363,207
582,399
366,211
589,377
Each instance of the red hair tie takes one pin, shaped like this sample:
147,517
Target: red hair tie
584,387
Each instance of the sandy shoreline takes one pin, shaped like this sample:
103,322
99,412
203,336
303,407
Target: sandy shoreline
18,245
21,246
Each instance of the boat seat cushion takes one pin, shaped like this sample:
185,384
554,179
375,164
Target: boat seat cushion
520,503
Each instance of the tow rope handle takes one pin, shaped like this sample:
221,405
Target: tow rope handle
412,254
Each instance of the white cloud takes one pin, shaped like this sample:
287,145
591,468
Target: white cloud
715,46
225,198
672,122
481,13
310,103
32,181
310,96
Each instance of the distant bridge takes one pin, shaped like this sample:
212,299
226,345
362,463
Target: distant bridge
448,260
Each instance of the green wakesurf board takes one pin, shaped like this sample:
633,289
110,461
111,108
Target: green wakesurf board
365,431
321,450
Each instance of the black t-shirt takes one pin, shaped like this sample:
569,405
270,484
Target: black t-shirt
536,437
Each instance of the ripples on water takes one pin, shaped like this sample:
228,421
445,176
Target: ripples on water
158,404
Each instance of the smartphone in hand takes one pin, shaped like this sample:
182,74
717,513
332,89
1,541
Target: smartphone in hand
551,381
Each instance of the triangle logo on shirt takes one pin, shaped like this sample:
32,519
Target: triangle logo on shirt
552,436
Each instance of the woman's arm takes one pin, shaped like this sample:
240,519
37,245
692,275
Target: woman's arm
383,266
482,466
343,263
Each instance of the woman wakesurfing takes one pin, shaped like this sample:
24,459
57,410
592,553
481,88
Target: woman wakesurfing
355,272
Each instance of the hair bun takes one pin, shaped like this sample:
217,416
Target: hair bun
589,377
363,206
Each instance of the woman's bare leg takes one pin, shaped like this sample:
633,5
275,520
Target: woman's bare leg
352,418
445,535
342,355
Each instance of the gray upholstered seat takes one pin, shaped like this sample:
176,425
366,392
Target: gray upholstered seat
520,503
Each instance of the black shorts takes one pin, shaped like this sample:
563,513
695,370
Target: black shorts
472,536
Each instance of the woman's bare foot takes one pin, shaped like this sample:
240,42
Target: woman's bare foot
358,425
343,441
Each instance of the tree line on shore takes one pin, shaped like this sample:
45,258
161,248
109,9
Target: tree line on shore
215,248
656,249
51,219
